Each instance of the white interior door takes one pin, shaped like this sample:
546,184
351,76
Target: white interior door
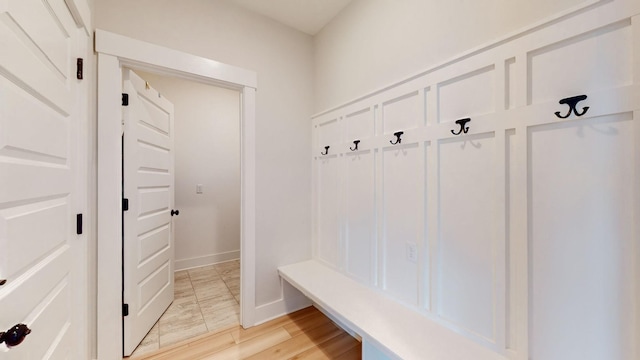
41,259
149,187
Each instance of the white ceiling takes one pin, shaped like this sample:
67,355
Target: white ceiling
308,16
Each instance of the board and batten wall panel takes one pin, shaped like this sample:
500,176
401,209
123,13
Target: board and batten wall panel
516,230
581,215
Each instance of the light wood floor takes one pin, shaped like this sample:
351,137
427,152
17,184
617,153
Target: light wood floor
305,334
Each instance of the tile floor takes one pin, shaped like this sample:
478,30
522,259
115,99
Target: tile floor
206,300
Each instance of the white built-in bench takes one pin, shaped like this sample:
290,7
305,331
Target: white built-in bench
389,330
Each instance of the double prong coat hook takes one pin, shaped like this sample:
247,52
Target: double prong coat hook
573,103
355,142
398,139
326,150
463,129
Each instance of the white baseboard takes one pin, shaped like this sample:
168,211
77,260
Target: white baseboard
280,307
184,264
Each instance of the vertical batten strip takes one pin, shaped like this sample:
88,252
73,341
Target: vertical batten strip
432,216
314,191
421,243
379,190
342,201
499,244
521,235
373,269
635,26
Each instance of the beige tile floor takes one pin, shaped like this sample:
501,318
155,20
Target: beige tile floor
206,300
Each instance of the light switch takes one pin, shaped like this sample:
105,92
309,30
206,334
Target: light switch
199,189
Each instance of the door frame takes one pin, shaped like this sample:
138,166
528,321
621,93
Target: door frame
115,52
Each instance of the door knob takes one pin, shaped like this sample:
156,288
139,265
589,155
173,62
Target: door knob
175,212
3,281
15,336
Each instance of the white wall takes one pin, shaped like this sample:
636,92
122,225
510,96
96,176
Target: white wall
374,43
207,152
512,223
283,59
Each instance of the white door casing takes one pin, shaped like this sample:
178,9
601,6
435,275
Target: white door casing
42,118
148,178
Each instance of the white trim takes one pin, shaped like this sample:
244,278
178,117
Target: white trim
248,207
173,62
81,14
281,307
114,51
635,26
199,261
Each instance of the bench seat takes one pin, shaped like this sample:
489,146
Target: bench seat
389,330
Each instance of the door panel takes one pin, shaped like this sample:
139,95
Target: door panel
148,184
41,256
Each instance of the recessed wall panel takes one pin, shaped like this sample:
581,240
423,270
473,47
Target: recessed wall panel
402,113
401,222
466,244
359,125
328,210
580,239
467,95
360,218
596,60
328,133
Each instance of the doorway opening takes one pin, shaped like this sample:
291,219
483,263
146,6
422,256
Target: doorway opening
114,53
206,227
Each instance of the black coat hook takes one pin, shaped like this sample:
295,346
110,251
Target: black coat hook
326,150
355,142
463,129
572,102
398,139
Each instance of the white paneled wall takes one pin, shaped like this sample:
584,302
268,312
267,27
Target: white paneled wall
519,232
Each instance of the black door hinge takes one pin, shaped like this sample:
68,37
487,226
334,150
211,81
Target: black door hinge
79,224
125,309
79,69
125,204
125,99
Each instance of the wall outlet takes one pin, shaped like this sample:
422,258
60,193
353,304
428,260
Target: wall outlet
199,189
412,252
